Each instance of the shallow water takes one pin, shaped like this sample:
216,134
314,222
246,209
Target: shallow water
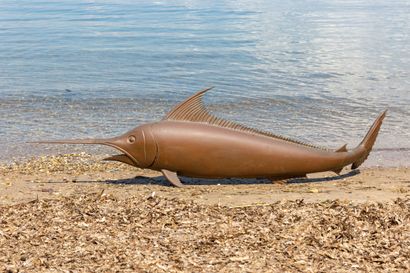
319,71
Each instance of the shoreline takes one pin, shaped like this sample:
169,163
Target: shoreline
74,174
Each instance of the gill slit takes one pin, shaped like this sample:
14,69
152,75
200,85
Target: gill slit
145,152
157,147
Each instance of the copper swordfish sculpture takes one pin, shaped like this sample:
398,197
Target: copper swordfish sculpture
190,141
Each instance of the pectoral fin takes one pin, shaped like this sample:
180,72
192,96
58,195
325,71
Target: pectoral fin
172,178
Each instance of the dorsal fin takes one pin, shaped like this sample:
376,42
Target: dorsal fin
191,109
194,110
342,149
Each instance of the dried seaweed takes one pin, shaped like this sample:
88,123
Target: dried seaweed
148,233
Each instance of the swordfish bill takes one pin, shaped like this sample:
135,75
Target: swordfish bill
191,141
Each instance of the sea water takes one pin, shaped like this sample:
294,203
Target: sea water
318,71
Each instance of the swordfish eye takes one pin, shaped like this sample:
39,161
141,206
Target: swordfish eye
131,139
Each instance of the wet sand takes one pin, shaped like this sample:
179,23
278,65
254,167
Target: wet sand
74,212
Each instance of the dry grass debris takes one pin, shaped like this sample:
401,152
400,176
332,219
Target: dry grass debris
148,233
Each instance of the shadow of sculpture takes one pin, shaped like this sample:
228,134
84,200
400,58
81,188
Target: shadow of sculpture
188,181
323,179
162,181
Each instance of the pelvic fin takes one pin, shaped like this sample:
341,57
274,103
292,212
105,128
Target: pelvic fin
172,178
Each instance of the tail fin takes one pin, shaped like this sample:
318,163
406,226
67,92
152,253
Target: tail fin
369,139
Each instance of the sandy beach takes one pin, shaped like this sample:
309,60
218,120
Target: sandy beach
76,212
51,177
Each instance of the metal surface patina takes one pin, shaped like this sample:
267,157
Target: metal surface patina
192,142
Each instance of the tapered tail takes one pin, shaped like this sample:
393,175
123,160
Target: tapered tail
368,141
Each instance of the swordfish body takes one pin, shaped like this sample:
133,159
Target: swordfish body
192,142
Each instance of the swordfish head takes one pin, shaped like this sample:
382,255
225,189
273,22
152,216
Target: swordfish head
137,147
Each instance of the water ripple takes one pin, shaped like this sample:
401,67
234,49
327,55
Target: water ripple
320,72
